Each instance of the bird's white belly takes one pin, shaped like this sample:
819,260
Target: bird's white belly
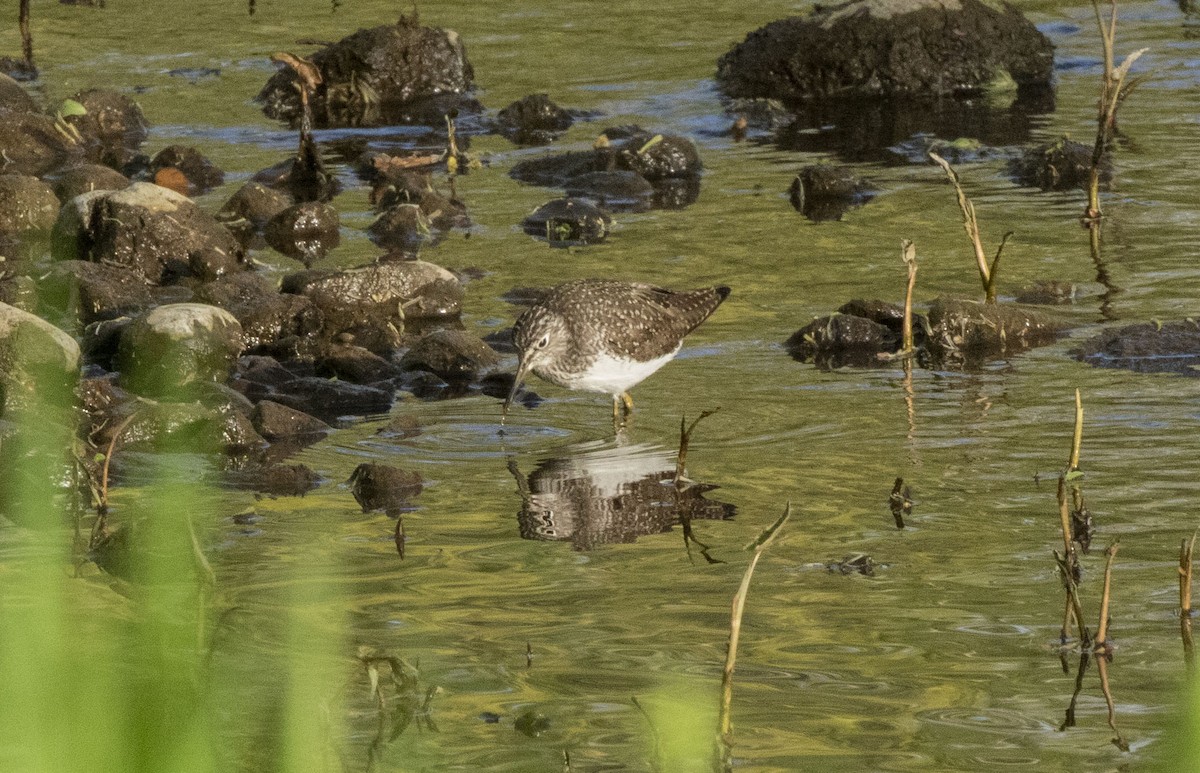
614,375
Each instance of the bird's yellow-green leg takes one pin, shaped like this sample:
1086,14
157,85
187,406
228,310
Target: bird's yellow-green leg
626,404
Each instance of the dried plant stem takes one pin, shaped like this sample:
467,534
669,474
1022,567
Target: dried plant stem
987,271
1077,437
26,34
1074,607
1064,515
1102,643
1113,91
725,736
908,253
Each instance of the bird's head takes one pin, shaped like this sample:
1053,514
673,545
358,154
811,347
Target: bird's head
541,337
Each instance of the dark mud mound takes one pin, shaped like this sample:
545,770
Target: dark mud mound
1147,347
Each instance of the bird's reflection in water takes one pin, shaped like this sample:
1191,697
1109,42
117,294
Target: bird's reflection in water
596,494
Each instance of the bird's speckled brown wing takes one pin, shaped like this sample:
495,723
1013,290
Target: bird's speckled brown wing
641,321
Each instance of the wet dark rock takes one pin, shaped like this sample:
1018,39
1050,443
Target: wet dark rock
616,190
37,360
275,421
1048,292
498,384
26,204
89,292
30,144
567,222
401,428
658,156
201,174
401,227
85,178
113,128
270,320
330,399
193,425
171,347
356,365
382,487
158,233
451,354
283,480
1146,347
759,113
972,331
855,563
371,305
1062,165
872,48
255,203
533,120
305,231
378,76
890,315
558,169
841,339
13,98
417,188
827,191
501,341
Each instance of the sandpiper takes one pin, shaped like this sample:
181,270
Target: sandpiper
602,335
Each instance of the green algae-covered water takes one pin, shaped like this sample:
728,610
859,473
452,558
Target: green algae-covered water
540,646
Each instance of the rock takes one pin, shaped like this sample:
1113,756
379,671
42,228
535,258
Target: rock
373,303
26,204
38,362
274,421
85,178
91,292
158,425
972,331
533,120
281,480
882,48
382,487
269,319
172,347
1062,165
451,354
401,227
13,98
113,126
658,156
568,221
1146,347
356,365
827,191
303,176
200,175
330,400
417,188
29,144
378,76
841,339
158,233
890,315
306,231
255,203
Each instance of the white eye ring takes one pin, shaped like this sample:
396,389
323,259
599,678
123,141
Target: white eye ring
542,344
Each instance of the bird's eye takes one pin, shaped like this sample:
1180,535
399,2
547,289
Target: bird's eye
544,342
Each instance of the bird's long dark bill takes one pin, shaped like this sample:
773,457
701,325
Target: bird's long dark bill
522,369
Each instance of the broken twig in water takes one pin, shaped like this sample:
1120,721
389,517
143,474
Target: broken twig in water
1102,643
725,730
908,253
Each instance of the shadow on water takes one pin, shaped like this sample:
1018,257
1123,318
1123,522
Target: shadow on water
597,493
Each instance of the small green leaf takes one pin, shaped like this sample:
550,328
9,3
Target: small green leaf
70,107
1073,475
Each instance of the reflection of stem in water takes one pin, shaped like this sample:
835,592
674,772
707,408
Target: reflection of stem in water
26,35
1102,275
725,728
685,438
398,535
910,403
1102,661
1084,660
656,757
1185,599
